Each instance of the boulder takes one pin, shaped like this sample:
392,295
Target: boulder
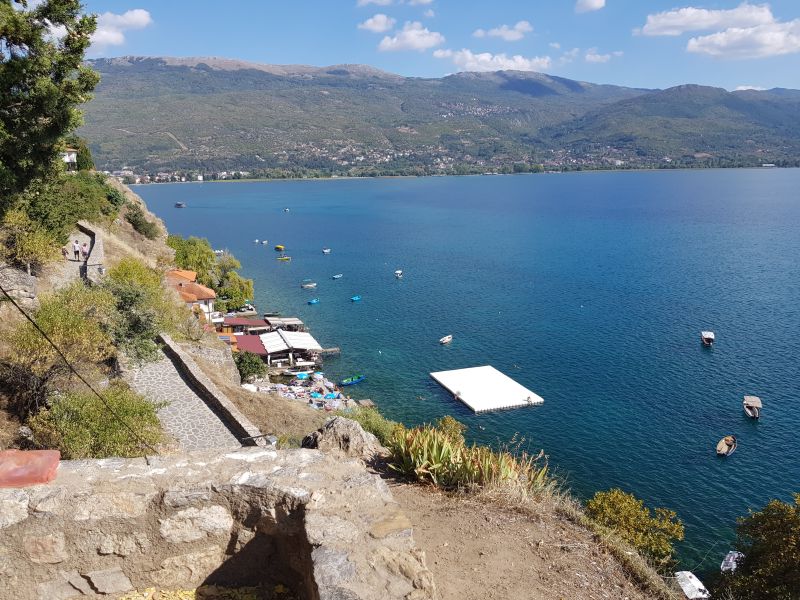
344,436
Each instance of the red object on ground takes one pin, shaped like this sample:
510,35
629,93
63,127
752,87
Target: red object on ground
23,468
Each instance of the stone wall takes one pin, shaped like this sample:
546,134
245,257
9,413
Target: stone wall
19,285
321,526
240,425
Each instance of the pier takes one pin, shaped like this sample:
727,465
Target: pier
485,389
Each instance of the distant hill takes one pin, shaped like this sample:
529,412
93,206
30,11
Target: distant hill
213,114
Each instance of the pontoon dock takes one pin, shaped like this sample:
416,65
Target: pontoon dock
485,388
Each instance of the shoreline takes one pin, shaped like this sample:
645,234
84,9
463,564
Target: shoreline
372,177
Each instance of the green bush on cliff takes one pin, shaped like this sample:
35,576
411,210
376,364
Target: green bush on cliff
627,516
249,365
373,422
81,425
135,216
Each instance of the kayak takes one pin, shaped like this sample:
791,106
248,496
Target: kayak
314,301
353,380
355,298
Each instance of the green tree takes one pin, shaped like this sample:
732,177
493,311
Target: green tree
770,541
249,365
235,291
42,82
27,242
625,514
194,254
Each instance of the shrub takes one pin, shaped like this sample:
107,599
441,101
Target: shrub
249,365
438,455
82,426
770,541
625,514
77,319
26,242
115,197
135,216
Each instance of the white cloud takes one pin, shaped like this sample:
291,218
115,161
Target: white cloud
413,36
509,34
378,2
111,27
744,88
582,6
569,56
761,41
419,2
378,23
592,56
555,45
429,13
682,20
466,60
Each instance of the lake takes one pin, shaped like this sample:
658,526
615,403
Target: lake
589,288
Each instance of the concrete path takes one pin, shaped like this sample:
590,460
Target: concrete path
187,418
67,271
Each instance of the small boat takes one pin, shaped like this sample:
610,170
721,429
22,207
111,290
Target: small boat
692,587
307,284
219,252
326,250
180,205
752,406
353,380
265,242
314,301
730,562
446,340
255,241
707,337
285,210
399,273
284,257
338,276
355,298
279,247
726,446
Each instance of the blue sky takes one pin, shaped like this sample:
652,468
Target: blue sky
639,43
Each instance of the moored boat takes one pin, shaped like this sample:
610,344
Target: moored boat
726,446
326,250
752,406
279,247
307,284
180,205
284,257
314,301
446,339
399,273
707,338
352,380
338,276
355,298
730,562
692,587
265,242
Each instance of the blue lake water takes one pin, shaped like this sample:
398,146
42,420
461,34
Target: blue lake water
590,289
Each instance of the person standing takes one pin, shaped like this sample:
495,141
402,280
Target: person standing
65,252
76,250
85,251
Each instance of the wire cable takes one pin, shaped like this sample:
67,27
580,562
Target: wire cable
77,374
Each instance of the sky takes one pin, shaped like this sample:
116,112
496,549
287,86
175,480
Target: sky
638,43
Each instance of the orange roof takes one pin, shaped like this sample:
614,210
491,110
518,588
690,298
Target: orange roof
182,274
199,292
186,296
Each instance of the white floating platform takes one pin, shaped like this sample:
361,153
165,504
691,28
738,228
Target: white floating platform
485,388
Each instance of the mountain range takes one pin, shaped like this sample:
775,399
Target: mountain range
203,115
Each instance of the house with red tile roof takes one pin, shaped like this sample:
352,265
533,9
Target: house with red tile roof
191,292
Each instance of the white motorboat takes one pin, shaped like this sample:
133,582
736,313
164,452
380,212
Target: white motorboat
730,562
399,273
307,284
264,241
326,250
338,276
446,340
692,587
752,406
707,337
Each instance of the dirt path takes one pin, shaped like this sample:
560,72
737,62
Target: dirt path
480,552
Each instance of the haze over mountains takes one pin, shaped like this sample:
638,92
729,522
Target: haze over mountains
212,114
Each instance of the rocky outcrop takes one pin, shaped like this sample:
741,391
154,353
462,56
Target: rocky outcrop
19,285
320,525
344,436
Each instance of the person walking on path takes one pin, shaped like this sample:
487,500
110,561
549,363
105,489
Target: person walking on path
65,252
76,250
85,251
